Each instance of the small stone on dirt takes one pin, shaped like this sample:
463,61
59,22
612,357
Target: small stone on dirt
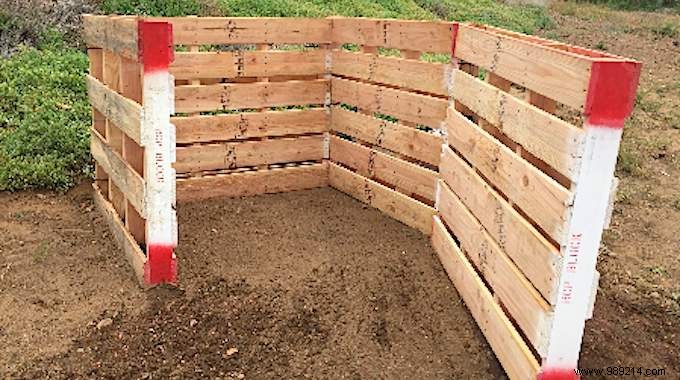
193,322
106,322
230,352
240,376
80,350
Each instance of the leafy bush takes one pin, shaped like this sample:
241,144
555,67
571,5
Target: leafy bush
44,117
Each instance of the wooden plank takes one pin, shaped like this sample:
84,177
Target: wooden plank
577,50
539,196
427,36
522,301
411,178
411,142
223,64
249,125
248,30
403,105
248,153
126,242
547,137
250,183
120,172
528,249
117,34
410,74
407,210
123,112
560,75
229,96
513,354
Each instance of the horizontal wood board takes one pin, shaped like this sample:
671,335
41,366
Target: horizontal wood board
245,125
231,96
248,153
250,183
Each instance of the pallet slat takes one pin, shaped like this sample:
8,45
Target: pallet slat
399,206
119,110
507,344
528,249
248,153
223,64
410,74
427,36
116,34
133,252
523,302
383,167
539,196
250,183
554,141
403,105
420,145
248,30
229,96
559,75
120,172
208,128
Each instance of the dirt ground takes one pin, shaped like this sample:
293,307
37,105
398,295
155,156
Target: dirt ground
301,285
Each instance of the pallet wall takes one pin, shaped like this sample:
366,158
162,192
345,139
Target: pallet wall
134,182
388,108
251,101
526,181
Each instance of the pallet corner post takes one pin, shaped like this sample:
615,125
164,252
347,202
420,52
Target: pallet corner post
156,52
609,102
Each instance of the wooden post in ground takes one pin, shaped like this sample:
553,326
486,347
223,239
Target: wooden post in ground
610,99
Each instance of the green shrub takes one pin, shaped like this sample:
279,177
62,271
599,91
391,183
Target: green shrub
647,5
168,8
525,19
44,118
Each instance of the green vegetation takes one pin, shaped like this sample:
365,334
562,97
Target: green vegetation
667,29
44,114
646,5
168,8
44,117
524,19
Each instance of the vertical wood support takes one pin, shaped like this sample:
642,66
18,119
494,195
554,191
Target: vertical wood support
611,94
114,136
158,135
133,153
96,58
263,47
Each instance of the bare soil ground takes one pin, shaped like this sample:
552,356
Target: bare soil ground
301,285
